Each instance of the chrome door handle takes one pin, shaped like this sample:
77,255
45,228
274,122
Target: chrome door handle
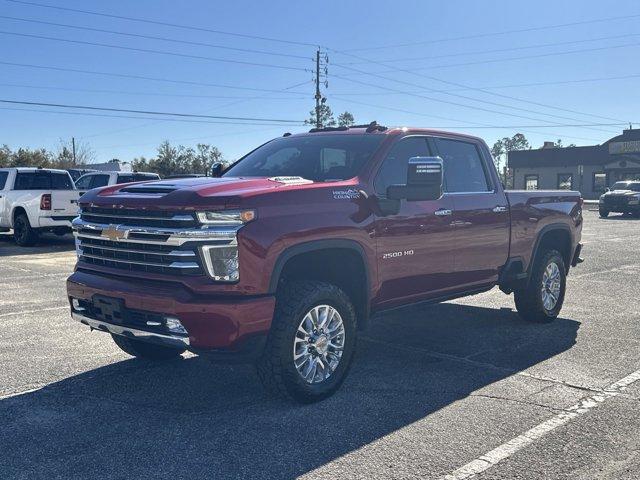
499,209
443,212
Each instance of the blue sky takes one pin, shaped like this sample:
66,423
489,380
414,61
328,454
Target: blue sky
439,80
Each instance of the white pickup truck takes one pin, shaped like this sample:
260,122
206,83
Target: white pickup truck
35,200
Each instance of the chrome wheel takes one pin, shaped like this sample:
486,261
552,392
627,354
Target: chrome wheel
318,344
551,286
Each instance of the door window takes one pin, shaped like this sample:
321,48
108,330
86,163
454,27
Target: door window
464,170
3,179
393,170
99,181
84,182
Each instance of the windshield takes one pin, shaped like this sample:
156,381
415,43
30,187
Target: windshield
634,186
321,158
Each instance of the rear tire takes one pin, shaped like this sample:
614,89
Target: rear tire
320,345
23,234
603,213
541,300
149,351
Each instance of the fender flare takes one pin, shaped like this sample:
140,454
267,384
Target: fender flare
536,245
318,245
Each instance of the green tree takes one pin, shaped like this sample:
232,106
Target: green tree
501,149
326,117
558,144
345,119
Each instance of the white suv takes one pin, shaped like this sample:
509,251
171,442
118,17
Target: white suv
102,179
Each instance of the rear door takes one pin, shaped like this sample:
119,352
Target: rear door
414,245
480,211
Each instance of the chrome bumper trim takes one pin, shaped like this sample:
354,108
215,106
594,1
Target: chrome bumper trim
175,341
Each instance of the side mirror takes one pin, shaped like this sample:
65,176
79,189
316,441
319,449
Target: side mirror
424,180
217,169
607,189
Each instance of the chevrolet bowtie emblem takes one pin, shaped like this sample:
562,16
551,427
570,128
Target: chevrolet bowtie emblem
113,233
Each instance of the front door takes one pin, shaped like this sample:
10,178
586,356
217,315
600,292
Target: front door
414,245
480,212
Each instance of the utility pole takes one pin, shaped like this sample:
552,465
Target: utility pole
318,80
73,149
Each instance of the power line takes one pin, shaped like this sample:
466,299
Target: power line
508,59
457,84
139,93
497,50
492,34
165,24
151,37
469,124
439,100
104,115
141,77
498,87
159,52
148,112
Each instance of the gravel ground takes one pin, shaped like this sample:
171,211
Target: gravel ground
432,389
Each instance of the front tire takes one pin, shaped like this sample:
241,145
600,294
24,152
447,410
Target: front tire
311,344
541,300
23,234
149,351
603,213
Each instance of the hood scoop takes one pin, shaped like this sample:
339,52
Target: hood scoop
155,189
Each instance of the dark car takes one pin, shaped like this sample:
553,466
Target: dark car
623,197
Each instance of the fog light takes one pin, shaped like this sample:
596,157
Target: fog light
75,304
174,325
221,262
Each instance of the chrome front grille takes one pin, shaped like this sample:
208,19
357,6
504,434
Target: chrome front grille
130,242
139,218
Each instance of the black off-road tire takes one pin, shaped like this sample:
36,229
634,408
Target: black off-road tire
23,234
529,302
276,367
149,351
603,213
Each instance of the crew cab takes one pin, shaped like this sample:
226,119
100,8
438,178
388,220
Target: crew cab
623,197
102,179
36,200
298,244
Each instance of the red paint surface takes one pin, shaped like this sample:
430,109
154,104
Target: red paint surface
447,257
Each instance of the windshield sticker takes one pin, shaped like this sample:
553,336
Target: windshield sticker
291,180
348,194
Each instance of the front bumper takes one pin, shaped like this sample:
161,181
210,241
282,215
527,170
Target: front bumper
222,326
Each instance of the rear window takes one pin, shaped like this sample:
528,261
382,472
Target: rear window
3,179
43,181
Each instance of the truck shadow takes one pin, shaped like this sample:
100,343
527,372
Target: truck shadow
48,243
134,419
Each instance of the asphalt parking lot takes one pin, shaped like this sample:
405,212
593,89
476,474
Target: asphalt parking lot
435,390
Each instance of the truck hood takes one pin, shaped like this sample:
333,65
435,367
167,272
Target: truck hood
193,192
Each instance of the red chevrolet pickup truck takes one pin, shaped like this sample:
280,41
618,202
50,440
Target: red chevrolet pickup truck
285,256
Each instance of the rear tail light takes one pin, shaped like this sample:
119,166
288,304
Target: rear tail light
581,202
45,202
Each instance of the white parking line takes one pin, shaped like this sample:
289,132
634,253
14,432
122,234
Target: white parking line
516,444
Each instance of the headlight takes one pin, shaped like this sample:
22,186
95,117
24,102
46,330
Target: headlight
226,217
221,262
